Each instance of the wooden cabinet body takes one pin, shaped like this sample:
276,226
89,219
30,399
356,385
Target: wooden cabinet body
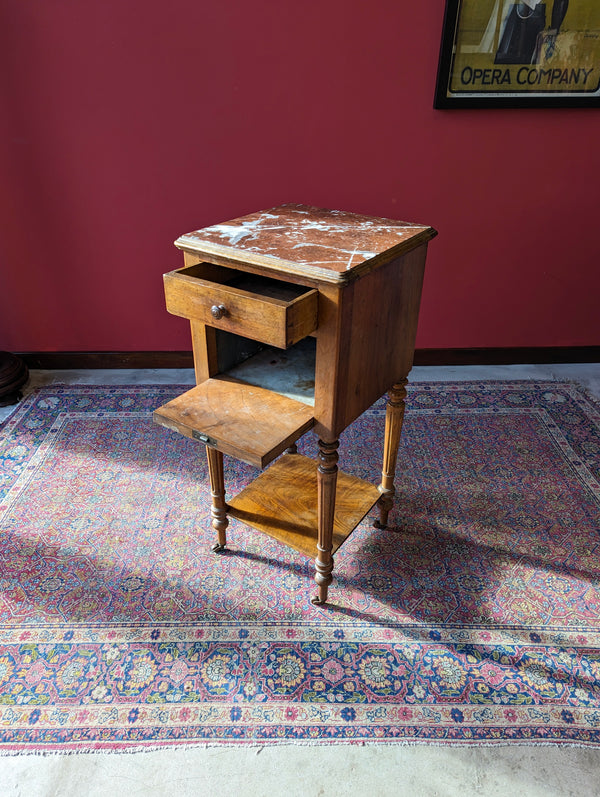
332,298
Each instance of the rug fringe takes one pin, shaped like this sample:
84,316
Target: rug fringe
259,748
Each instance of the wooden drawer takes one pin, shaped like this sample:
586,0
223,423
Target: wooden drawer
264,309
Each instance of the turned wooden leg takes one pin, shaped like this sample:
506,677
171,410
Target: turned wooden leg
217,490
393,427
326,484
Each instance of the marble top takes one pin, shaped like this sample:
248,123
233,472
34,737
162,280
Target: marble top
330,245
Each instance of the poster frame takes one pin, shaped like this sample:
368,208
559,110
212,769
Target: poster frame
445,99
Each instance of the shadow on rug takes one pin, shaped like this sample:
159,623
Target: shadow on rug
474,619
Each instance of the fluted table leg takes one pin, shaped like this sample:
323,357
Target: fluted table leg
217,490
394,417
326,486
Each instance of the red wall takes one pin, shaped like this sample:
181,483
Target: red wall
128,123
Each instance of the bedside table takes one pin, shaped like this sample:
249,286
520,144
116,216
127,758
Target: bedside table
300,318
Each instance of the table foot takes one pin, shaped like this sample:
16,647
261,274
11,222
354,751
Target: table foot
218,548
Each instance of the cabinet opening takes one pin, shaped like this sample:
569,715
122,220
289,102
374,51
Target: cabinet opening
289,372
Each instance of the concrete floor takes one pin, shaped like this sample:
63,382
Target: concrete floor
377,771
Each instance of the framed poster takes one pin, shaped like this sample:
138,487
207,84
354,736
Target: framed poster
528,53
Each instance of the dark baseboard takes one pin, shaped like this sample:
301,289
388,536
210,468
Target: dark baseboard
508,356
58,360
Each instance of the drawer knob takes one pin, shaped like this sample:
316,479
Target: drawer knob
218,310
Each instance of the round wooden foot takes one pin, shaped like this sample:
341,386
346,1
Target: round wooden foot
321,597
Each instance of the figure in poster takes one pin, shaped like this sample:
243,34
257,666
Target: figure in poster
521,25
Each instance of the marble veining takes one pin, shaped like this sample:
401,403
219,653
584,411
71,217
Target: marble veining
324,241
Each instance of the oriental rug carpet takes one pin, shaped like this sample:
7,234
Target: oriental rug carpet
474,619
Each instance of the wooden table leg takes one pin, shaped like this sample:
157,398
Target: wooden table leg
217,490
326,486
393,428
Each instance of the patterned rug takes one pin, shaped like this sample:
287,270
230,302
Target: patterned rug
474,619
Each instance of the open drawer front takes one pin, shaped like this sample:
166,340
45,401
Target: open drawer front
247,422
267,310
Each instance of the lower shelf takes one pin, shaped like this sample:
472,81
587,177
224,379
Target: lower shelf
282,502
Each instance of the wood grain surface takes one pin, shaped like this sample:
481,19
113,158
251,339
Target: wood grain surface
282,502
250,423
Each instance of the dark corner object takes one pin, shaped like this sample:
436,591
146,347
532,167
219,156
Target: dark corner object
52,360
13,375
